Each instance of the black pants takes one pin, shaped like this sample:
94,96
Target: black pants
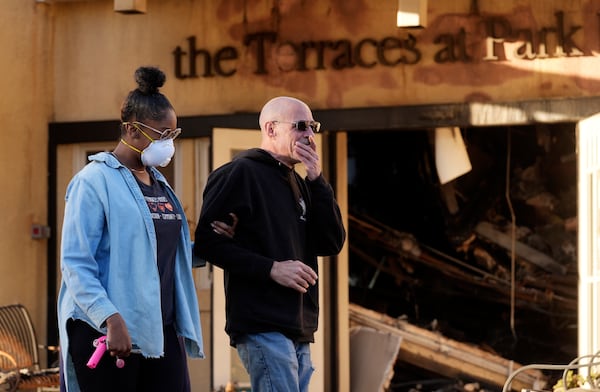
168,373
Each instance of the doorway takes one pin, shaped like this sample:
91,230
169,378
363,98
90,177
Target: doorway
227,143
186,173
521,177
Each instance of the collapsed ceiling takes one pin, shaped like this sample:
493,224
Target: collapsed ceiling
488,258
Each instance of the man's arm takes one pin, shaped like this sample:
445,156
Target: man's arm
223,196
325,219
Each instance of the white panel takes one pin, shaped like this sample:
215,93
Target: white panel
201,170
70,158
227,143
411,13
588,131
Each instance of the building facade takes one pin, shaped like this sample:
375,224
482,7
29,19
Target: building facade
68,64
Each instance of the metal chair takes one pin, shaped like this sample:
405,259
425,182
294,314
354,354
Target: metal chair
19,350
588,363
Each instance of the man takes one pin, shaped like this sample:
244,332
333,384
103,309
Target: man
282,223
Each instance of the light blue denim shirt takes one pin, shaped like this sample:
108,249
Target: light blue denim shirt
108,262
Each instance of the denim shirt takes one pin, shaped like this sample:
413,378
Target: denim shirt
109,262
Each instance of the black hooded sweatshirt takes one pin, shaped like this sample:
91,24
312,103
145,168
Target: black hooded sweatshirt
273,226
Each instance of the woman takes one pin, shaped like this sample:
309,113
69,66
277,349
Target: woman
126,259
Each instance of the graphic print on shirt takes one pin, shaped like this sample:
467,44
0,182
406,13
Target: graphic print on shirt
297,194
302,208
161,208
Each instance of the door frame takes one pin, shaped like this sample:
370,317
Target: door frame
226,142
588,247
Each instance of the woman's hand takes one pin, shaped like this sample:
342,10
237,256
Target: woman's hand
118,341
223,228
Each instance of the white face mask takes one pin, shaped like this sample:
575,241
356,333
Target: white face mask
158,153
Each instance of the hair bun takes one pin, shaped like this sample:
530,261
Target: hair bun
149,79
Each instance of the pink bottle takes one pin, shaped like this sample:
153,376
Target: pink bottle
100,345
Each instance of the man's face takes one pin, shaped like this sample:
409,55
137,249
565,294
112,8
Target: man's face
296,126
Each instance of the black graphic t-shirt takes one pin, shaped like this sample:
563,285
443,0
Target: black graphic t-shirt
167,224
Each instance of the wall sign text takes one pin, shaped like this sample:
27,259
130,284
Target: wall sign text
557,40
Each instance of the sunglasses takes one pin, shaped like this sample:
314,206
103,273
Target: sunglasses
304,125
166,134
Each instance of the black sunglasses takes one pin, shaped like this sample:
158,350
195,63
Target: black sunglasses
303,125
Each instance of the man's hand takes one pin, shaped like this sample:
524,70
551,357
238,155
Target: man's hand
293,274
307,154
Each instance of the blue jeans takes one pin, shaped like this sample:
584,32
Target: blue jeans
275,363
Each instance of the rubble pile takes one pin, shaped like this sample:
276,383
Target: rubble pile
490,258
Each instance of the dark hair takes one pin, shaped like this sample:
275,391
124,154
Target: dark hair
146,101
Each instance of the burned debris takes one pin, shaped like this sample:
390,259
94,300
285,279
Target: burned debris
487,259
395,339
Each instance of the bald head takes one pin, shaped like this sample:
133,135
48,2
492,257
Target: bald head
281,108
277,124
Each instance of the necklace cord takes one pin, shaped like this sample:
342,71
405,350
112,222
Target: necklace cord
130,168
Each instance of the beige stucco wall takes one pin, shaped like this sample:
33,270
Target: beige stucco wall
26,101
96,51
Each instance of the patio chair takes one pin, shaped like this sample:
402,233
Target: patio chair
19,353
589,363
